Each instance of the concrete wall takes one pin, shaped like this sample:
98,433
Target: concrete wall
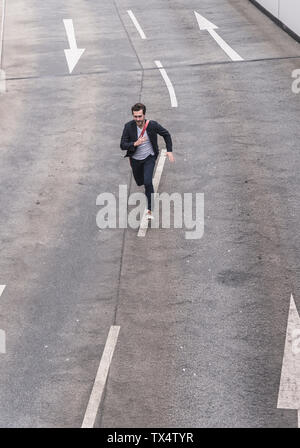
287,11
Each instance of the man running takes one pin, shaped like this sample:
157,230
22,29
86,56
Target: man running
139,139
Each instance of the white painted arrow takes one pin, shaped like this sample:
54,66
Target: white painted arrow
73,54
2,287
289,390
205,24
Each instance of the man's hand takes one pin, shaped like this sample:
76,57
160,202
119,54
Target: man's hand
140,141
171,157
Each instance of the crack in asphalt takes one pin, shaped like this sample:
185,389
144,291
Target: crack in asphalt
170,67
101,405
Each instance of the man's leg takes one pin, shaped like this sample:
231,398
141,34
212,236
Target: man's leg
149,165
137,170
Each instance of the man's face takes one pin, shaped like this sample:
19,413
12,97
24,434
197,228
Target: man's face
139,117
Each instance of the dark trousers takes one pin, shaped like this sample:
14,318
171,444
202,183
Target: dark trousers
142,172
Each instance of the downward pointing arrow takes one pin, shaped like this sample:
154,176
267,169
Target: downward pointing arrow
289,390
206,25
73,54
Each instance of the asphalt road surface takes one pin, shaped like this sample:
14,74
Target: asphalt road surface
202,322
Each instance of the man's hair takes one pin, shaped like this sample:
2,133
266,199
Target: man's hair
137,107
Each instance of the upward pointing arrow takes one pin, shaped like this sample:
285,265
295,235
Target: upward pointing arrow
73,54
289,390
206,25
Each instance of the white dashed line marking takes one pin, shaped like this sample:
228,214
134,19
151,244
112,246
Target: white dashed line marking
2,81
2,332
289,389
99,384
137,25
2,72
168,84
2,31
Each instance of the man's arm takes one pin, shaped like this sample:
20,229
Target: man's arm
126,144
168,140
166,136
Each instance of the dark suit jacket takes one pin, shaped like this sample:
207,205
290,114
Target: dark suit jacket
130,135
